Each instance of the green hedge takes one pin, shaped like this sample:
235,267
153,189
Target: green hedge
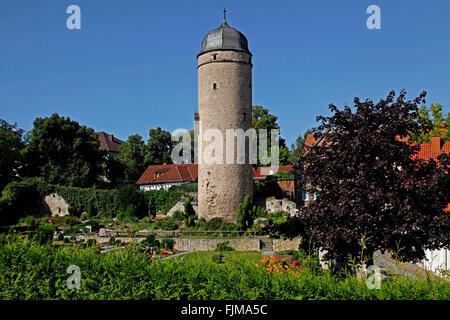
29,271
23,198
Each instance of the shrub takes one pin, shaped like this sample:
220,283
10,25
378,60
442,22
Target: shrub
129,274
91,210
268,187
165,225
178,215
22,198
128,214
150,241
43,235
189,212
217,257
184,188
244,213
167,243
91,243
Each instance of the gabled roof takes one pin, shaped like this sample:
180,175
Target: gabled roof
428,150
108,142
165,173
431,150
261,173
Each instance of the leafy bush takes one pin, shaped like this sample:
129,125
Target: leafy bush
128,214
91,243
130,274
217,257
150,241
43,235
22,198
165,225
167,243
247,212
189,213
178,215
184,188
268,187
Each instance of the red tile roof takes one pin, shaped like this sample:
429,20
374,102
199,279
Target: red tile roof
261,173
169,173
108,142
189,173
431,150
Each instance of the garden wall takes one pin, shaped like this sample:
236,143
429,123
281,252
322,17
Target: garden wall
243,244
284,245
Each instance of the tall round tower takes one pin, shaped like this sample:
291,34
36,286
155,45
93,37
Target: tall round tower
224,102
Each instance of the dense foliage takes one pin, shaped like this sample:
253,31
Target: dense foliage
268,187
63,152
262,119
11,146
23,198
440,124
246,213
30,271
370,187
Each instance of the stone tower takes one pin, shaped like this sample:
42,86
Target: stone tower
224,102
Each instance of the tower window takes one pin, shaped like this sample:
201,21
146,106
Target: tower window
214,57
214,85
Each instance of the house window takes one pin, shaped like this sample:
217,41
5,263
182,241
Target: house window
305,196
214,85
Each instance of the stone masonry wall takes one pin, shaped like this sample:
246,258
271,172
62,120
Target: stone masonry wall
228,105
283,245
55,205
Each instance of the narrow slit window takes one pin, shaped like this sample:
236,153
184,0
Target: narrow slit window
214,57
214,85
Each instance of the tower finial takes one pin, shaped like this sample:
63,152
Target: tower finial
224,14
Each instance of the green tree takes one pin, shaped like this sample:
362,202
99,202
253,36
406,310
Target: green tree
114,170
189,212
132,155
435,114
159,147
245,213
369,185
11,146
297,149
63,152
268,187
262,119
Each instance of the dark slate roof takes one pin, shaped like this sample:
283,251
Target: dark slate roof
224,38
108,142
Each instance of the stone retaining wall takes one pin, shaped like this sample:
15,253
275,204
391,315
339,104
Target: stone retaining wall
243,244
283,245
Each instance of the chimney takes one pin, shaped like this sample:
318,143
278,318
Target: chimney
436,144
111,137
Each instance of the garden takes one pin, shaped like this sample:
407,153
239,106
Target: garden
29,270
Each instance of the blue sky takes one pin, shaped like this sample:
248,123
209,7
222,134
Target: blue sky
132,66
